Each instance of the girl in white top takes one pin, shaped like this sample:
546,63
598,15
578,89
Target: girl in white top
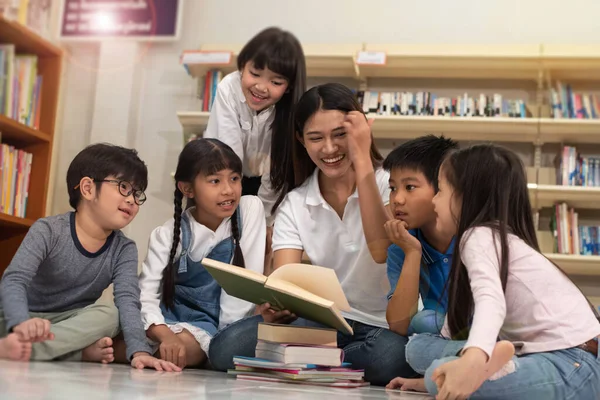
252,111
182,305
336,214
501,286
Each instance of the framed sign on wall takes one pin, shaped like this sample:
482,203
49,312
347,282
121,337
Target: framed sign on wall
143,20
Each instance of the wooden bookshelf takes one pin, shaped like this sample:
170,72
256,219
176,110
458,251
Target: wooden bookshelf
37,142
406,127
576,264
572,131
574,196
523,67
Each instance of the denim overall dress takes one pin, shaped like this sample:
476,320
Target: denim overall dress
197,294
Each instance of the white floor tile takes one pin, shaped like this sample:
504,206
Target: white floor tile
49,381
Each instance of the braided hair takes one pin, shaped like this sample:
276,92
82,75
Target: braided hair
202,156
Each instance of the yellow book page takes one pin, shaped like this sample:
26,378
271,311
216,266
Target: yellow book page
320,281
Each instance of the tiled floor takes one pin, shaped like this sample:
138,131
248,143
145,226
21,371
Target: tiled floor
62,381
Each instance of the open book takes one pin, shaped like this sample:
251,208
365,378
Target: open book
308,291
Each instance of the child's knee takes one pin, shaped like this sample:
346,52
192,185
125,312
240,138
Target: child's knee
426,321
106,317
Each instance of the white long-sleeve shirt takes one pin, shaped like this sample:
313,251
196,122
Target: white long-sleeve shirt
203,240
234,123
541,311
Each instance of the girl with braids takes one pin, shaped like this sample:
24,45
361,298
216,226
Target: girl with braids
182,305
502,287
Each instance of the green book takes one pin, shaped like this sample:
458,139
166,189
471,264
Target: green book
309,291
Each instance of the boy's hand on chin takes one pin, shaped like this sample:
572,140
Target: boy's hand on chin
397,232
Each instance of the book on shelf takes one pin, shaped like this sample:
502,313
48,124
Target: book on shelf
207,88
430,104
20,86
309,291
573,169
570,237
566,103
15,172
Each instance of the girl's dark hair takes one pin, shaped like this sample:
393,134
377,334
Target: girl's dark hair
281,52
492,184
207,157
330,96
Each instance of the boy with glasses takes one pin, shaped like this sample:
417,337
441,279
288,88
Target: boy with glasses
48,294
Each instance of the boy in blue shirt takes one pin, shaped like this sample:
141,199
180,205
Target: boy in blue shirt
420,257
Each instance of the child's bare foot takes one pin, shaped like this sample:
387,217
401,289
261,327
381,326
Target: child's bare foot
101,351
12,348
500,364
418,385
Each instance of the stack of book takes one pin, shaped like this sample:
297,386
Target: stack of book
300,355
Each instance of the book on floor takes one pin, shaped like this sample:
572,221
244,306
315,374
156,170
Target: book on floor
309,291
280,333
300,354
248,368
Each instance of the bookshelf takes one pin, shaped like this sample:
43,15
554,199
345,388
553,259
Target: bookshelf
526,69
37,142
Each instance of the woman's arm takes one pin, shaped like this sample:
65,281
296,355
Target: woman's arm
372,209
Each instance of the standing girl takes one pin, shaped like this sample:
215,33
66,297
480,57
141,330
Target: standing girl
252,111
182,305
501,286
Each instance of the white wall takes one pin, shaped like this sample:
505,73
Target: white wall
162,86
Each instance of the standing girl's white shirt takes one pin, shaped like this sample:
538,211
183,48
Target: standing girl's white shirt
253,111
234,123
203,241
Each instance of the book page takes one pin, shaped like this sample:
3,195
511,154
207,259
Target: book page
319,281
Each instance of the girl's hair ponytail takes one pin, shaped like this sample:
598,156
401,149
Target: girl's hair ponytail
238,257
168,282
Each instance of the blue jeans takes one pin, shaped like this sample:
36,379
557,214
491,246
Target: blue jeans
380,352
564,374
426,321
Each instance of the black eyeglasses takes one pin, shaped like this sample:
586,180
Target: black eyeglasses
126,189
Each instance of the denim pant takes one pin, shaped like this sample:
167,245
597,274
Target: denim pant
426,321
564,374
380,352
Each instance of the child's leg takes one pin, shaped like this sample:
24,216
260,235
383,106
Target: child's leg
194,355
83,334
502,354
422,350
426,321
237,339
11,347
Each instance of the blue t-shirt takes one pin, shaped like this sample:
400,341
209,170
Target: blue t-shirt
435,267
